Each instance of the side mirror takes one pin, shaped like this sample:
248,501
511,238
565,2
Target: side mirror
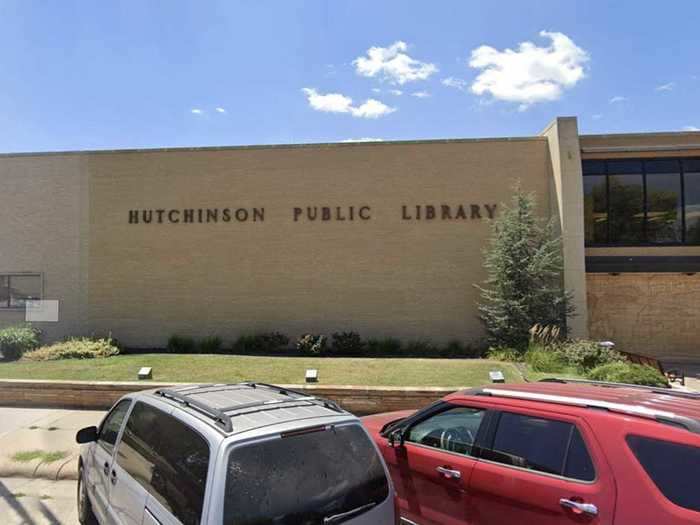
395,438
86,435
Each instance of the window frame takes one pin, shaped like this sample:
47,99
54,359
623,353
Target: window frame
100,442
5,307
439,408
643,161
490,437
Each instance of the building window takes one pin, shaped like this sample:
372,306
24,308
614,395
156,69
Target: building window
18,288
641,202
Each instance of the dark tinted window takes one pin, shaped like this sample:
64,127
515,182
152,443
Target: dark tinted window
664,209
304,478
454,430
168,459
692,206
544,445
626,209
595,209
578,463
112,424
672,467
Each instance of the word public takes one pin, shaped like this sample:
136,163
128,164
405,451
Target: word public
418,212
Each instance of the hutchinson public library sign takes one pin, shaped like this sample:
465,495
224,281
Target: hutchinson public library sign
384,238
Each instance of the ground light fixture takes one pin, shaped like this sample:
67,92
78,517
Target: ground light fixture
311,375
497,376
145,372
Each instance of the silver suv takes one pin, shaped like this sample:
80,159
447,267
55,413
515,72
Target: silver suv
243,454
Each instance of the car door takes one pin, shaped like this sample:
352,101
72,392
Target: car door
102,457
431,469
544,469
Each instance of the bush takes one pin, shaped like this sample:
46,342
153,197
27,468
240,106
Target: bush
16,340
178,344
542,359
347,344
502,353
387,347
420,348
312,344
586,355
633,374
76,348
458,349
267,343
210,345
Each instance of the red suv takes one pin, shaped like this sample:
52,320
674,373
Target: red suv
553,452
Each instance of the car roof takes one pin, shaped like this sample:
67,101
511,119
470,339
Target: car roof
235,408
666,405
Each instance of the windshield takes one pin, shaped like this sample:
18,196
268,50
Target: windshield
329,475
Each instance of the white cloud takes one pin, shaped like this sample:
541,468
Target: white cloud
338,103
420,94
220,110
393,64
364,139
396,92
665,87
529,74
456,83
690,128
196,111
617,99
597,116
376,90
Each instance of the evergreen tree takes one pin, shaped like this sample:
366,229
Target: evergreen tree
524,286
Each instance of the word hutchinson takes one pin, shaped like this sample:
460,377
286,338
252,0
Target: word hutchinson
196,215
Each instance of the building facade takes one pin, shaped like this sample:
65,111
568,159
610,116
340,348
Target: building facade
384,238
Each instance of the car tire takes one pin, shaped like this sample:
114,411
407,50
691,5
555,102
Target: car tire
85,514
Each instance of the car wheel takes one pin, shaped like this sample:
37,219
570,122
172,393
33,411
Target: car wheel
85,514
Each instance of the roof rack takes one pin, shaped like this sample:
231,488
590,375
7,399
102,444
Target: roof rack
220,414
662,416
611,384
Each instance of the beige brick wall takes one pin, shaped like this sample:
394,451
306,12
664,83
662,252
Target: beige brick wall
43,228
379,277
647,313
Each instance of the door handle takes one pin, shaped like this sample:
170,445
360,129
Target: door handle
449,473
113,477
105,468
579,508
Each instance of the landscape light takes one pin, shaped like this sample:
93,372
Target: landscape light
311,375
497,376
146,372
607,344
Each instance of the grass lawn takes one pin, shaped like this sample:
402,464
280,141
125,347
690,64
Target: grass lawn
284,370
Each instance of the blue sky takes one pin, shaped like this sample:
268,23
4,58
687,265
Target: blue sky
132,74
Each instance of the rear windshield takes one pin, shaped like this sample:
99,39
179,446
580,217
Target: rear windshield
305,479
673,468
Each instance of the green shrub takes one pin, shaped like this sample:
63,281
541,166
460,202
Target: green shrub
16,340
458,349
347,344
75,348
542,359
266,343
619,372
210,345
502,353
586,355
420,348
178,344
312,344
387,347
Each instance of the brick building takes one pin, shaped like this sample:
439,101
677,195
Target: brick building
381,238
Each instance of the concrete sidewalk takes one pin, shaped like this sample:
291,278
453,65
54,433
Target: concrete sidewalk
40,443
37,502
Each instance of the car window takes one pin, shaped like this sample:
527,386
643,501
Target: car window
672,467
304,478
453,430
112,424
542,445
169,459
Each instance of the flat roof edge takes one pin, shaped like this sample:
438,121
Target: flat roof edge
311,145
